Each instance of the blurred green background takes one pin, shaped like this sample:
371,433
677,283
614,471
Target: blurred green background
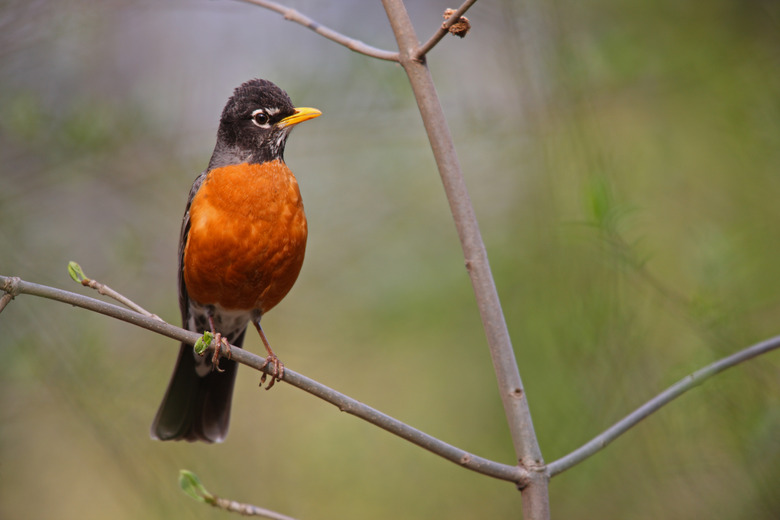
623,158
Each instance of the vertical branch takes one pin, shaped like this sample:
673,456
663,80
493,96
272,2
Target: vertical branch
535,495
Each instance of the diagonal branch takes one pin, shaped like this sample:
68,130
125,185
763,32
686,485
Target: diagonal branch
442,31
193,487
350,43
5,300
75,272
676,390
15,286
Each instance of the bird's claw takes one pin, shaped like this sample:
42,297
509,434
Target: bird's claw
222,345
277,373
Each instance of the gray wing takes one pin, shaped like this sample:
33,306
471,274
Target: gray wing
184,299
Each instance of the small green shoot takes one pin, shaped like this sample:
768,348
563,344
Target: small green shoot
203,343
191,485
75,272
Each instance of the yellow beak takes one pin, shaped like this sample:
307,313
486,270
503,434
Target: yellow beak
301,114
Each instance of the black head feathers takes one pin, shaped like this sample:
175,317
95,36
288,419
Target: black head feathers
256,94
252,127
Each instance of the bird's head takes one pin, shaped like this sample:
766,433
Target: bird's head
255,124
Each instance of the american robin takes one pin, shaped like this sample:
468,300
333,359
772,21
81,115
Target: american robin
241,248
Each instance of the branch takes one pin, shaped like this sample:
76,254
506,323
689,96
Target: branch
350,43
78,276
244,509
14,286
668,395
510,386
5,300
442,31
192,486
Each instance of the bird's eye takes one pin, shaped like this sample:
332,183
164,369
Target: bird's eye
260,118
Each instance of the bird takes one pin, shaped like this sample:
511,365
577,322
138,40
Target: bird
241,248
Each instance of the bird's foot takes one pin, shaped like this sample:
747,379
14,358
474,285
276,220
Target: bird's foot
278,370
222,346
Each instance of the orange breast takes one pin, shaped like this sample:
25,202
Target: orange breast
247,237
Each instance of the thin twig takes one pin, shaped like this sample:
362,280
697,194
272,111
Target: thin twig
442,31
6,298
77,273
350,43
247,509
105,290
668,395
344,403
193,487
10,286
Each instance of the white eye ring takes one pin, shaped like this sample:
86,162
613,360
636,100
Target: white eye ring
260,118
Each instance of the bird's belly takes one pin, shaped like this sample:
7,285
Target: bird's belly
247,237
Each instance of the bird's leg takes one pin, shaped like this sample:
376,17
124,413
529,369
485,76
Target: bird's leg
222,343
278,372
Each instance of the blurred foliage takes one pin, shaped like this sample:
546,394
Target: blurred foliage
624,161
